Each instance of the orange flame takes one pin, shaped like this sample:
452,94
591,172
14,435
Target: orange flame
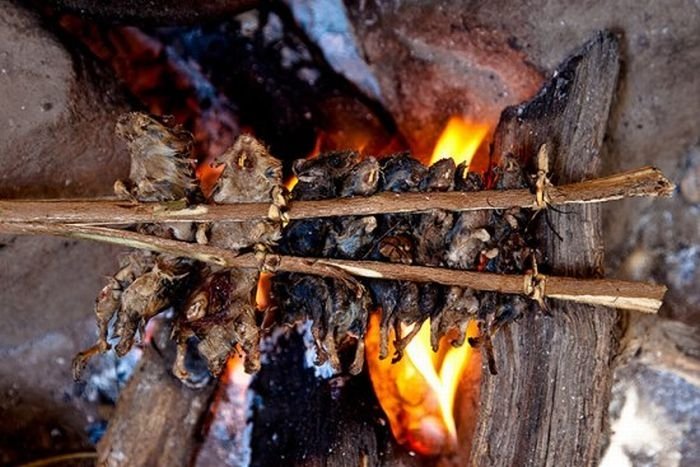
418,392
460,140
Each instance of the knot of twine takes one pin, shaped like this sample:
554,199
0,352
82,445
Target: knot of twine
267,261
278,215
278,210
534,284
534,287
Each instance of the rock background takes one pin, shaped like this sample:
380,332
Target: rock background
57,115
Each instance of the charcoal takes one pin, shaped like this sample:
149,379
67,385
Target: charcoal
401,173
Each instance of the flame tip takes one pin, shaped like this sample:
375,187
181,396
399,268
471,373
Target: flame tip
460,140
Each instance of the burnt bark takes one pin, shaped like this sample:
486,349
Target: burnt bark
548,404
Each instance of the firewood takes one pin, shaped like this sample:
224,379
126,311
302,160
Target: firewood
548,404
158,420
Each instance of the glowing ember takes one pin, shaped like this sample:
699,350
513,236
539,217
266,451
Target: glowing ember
460,140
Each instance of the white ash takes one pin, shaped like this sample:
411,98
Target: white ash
109,374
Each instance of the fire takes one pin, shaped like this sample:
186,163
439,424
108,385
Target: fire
460,140
418,392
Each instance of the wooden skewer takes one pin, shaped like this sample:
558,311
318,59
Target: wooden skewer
628,295
646,181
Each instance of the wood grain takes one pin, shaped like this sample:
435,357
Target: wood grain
548,405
